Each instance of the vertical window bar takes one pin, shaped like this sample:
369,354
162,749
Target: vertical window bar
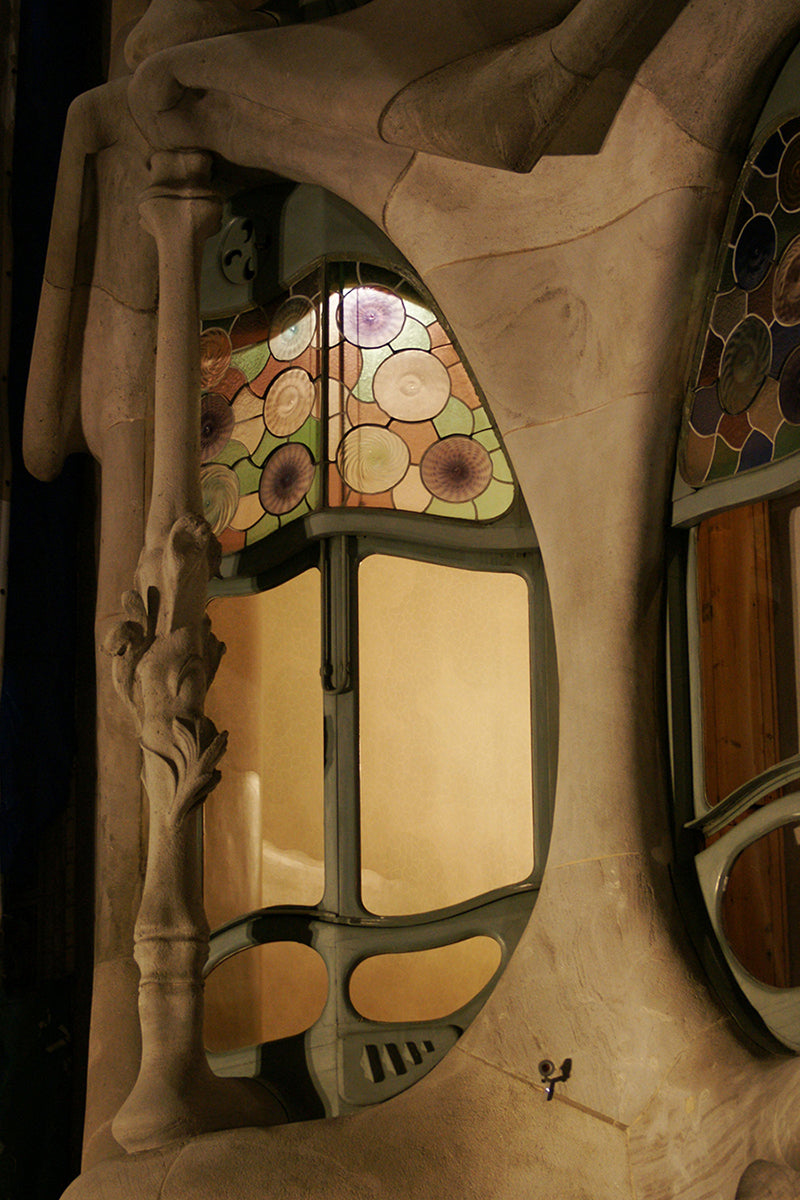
340,672
336,599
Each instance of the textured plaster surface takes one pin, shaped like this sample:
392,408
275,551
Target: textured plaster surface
576,294
475,212
396,1153
579,325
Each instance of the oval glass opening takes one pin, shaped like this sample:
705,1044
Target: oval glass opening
423,985
264,993
761,907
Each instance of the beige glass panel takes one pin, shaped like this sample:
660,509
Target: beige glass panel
264,993
423,985
446,786
263,824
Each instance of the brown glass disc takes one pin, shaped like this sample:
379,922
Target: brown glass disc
220,490
789,176
744,366
216,425
215,357
288,402
786,285
456,469
288,474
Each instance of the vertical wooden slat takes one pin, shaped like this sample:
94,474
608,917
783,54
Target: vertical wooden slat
740,718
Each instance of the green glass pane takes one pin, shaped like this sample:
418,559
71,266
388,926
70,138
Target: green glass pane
455,417
419,311
231,453
443,508
501,469
251,360
495,500
300,511
371,360
487,438
249,476
481,419
787,440
724,462
267,525
265,447
309,434
413,336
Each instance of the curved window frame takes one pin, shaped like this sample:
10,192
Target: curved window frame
708,839
344,1062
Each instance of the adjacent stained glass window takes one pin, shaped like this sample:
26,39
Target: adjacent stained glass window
734,602
744,409
348,392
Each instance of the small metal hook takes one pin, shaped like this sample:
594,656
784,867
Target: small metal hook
550,1079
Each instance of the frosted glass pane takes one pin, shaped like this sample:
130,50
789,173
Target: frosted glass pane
264,993
423,985
446,786
264,822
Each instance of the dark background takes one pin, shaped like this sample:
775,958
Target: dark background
45,757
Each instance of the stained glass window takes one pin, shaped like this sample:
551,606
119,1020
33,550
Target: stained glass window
744,408
347,392
734,601
390,772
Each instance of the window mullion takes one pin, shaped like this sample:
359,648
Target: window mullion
340,676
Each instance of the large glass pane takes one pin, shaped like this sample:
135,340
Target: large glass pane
264,822
264,993
446,787
423,985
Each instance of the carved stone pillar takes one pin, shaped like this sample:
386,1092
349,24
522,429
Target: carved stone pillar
164,658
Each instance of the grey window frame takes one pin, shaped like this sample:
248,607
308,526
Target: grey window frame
347,1061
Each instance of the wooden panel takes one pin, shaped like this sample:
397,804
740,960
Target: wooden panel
740,723
740,718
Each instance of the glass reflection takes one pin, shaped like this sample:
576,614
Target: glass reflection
264,993
423,985
263,825
444,670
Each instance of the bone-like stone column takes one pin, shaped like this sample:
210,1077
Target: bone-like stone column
164,658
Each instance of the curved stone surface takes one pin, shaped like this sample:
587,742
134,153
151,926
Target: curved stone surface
768,1181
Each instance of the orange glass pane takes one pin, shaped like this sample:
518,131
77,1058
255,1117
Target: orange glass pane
423,985
446,786
263,825
264,993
